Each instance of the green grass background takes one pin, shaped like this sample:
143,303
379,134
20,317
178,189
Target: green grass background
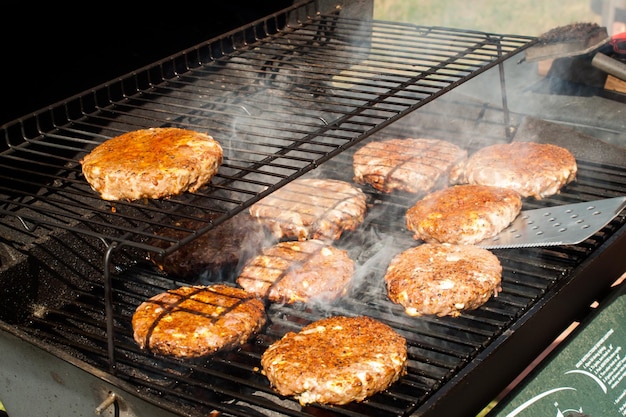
523,17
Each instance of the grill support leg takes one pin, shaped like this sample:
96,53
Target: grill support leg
108,305
508,129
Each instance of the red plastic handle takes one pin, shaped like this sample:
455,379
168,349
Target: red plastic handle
618,42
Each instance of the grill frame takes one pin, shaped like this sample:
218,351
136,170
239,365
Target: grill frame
455,395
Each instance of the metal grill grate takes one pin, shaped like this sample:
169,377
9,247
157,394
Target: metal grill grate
231,382
281,101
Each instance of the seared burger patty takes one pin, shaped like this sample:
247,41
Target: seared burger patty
152,163
336,360
298,271
463,214
532,169
442,279
190,322
312,208
412,165
227,246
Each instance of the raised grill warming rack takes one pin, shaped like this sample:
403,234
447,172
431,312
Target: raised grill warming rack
282,100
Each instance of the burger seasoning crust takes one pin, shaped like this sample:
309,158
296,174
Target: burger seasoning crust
532,169
443,279
195,321
463,214
312,208
152,163
412,165
298,271
336,360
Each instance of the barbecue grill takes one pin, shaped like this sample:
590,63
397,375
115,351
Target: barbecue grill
290,95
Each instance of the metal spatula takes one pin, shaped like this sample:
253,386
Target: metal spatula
560,225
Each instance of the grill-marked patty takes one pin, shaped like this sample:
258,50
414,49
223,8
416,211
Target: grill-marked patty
152,163
191,322
312,208
463,214
336,360
442,279
532,169
298,271
412,165
224,248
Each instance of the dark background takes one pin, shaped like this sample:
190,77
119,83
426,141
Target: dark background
50,52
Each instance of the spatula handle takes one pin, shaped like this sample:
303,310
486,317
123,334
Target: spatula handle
609,65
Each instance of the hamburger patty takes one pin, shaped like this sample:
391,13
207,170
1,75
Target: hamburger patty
336,360
298,271
532,169
412,165
442,279
190,322
152,163
225,247
463,214
312,208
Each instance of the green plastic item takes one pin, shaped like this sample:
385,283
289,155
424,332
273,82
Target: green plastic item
584,376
